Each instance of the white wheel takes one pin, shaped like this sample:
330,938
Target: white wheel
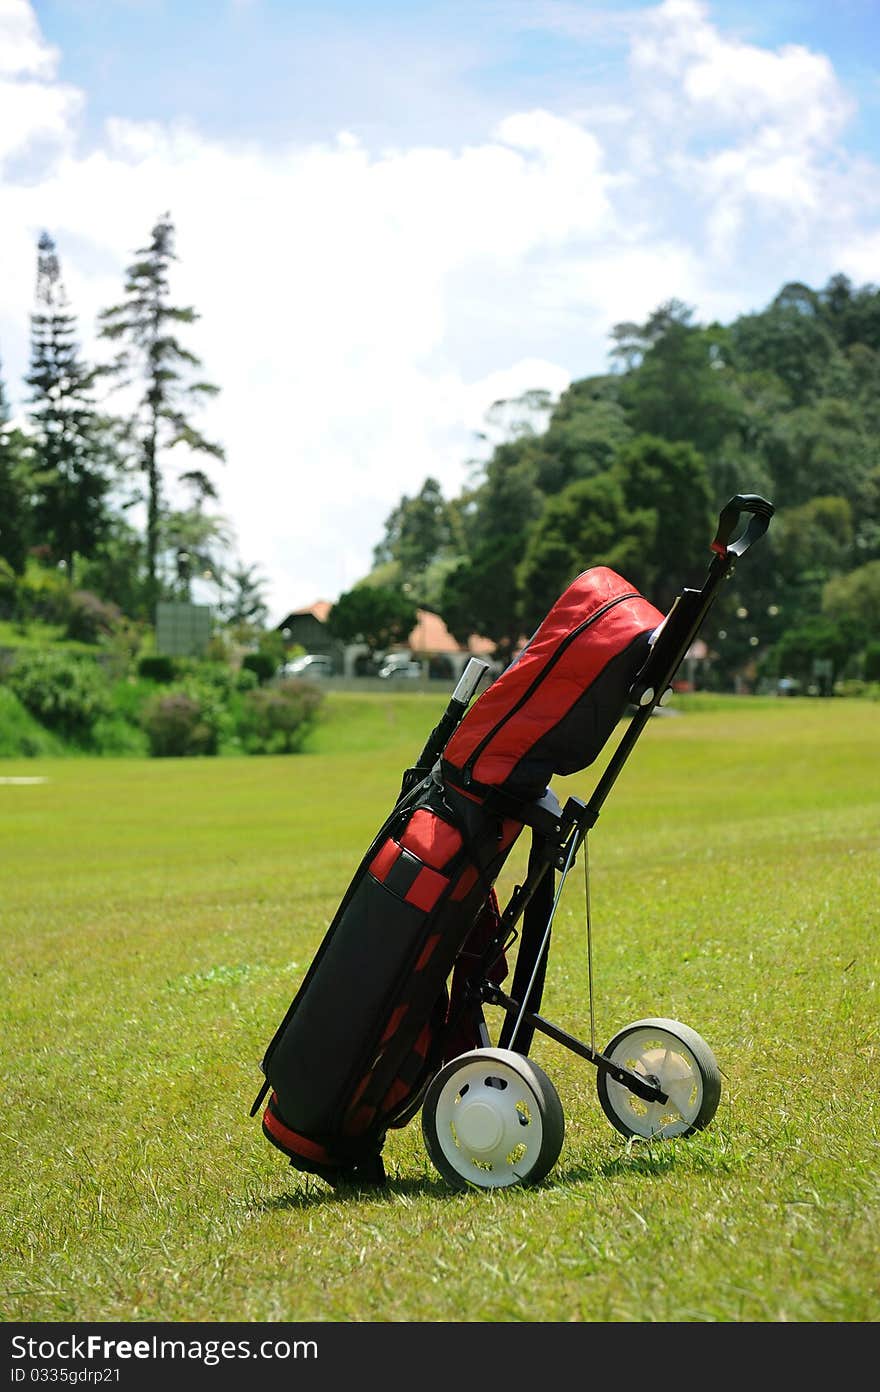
492,1118
679,1062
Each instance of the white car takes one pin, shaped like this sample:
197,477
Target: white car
311,665
400,669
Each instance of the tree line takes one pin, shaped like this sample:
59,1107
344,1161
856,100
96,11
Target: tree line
70,477
630,468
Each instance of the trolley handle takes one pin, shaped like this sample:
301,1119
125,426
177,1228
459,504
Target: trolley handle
759,520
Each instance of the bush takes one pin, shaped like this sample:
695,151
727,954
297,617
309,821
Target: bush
262,664
21,736
218,681
157,667
276,719
180,723
89,619
115,737
66,694
43,594
246,680
8,590
855,687
872,662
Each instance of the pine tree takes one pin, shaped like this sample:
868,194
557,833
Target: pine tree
15,506
73,455
143,324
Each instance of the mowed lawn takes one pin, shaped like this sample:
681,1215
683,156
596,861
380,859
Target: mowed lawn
157,916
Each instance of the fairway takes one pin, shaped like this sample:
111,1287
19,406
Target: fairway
158,915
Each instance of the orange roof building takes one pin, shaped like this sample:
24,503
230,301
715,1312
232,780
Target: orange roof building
431,637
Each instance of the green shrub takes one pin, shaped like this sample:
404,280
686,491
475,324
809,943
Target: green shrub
8,590
21,736
263,664
218,680
872,662
115,737
246,680
89,619
66,694
157,667
855,687
43,593
276,719
179,723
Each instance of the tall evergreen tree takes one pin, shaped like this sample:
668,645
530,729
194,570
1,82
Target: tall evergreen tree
143,324
15,508
73,454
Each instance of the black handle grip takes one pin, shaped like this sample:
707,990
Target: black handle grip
759,520
680,627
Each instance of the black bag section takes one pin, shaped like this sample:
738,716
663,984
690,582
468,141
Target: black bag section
365,1031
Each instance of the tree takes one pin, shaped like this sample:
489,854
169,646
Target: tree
416,534
192,544
372,615
818,639
791,338
480,594
852,315
15,503
117,569
243,604
73,452
587,428
680,390
143,323
855,599
670,481
193,541
587,524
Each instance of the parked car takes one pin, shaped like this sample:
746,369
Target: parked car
400,667
311,665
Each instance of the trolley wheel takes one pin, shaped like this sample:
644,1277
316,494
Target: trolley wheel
682,1065
492,1118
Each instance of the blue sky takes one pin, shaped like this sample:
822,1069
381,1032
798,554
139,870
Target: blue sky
389,215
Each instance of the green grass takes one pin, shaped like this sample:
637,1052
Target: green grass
157,916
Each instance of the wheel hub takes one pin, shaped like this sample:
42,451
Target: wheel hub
479,1127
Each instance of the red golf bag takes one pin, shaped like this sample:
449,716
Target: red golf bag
389,995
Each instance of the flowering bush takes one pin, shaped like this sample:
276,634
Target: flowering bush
180,723
276,718
89,618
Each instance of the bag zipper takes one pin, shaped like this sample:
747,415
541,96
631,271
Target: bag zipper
470,762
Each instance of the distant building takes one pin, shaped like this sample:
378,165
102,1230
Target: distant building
307,628
430,642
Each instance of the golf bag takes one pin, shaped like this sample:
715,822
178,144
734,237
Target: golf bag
389,995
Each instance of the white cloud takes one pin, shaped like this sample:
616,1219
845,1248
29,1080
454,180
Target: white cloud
23,50
736,83
33,106
772,119
362,309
